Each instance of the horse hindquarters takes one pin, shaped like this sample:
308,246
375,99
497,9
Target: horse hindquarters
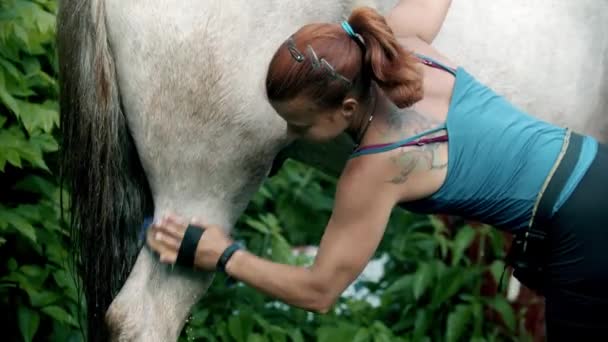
191,83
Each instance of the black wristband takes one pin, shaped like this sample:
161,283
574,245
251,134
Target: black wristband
226,255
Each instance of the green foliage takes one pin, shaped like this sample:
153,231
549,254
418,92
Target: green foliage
431,289
37,293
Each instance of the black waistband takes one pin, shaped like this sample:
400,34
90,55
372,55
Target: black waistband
558,181
528,249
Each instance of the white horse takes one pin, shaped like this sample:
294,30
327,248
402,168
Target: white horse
163,108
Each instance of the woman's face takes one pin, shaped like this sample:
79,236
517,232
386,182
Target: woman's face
307,120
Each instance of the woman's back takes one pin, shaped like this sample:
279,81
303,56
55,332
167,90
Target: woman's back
496,159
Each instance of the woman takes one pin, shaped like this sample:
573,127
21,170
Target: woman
433,139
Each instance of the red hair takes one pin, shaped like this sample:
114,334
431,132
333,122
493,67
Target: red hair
382,60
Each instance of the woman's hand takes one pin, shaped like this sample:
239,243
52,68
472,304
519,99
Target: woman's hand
420,18
165,237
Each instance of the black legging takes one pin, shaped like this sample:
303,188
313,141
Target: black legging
576,282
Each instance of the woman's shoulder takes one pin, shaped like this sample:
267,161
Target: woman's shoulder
367,176
422,48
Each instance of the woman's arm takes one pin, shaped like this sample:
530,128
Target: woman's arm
421,18
357,224
354,231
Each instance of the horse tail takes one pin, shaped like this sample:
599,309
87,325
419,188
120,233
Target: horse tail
100,168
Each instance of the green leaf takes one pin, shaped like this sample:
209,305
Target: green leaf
401,285
463,239
381,333
505,310
43,298
29,212
296,335
13,157
31,66
340,332
34,271
259,226
449,284
12,140
45,21
36,116
443,244
198,318
11,264
59,314
271,222
37,185
497,268
277,334
9,101
10,69
497,242
240,327
28,322
422,279
421,326
477,310
458,321
21,225
363,335
45,142
21,33
281,250
256,338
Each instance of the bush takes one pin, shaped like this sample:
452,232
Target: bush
37,292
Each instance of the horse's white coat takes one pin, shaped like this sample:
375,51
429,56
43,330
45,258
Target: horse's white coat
191,76
547,56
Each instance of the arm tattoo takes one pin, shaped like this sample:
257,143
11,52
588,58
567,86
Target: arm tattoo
418,158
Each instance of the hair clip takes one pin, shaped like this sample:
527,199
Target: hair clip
295,53
314,60
332,72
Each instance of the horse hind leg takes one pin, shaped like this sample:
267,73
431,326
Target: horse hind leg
158,293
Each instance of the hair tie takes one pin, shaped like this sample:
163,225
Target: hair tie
351,33
349,29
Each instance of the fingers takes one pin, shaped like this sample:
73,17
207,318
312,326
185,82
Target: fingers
151,240
161,242
197,222
173,226
168,258
174,219
165,236
167,246
168,240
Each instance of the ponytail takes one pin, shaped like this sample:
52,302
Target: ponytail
394,70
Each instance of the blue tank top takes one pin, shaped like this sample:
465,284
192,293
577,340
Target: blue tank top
498,157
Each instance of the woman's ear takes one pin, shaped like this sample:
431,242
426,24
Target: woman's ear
349,108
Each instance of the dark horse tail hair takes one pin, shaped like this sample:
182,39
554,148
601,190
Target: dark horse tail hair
100,168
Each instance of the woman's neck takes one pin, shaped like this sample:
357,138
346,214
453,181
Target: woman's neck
364,117
371,113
